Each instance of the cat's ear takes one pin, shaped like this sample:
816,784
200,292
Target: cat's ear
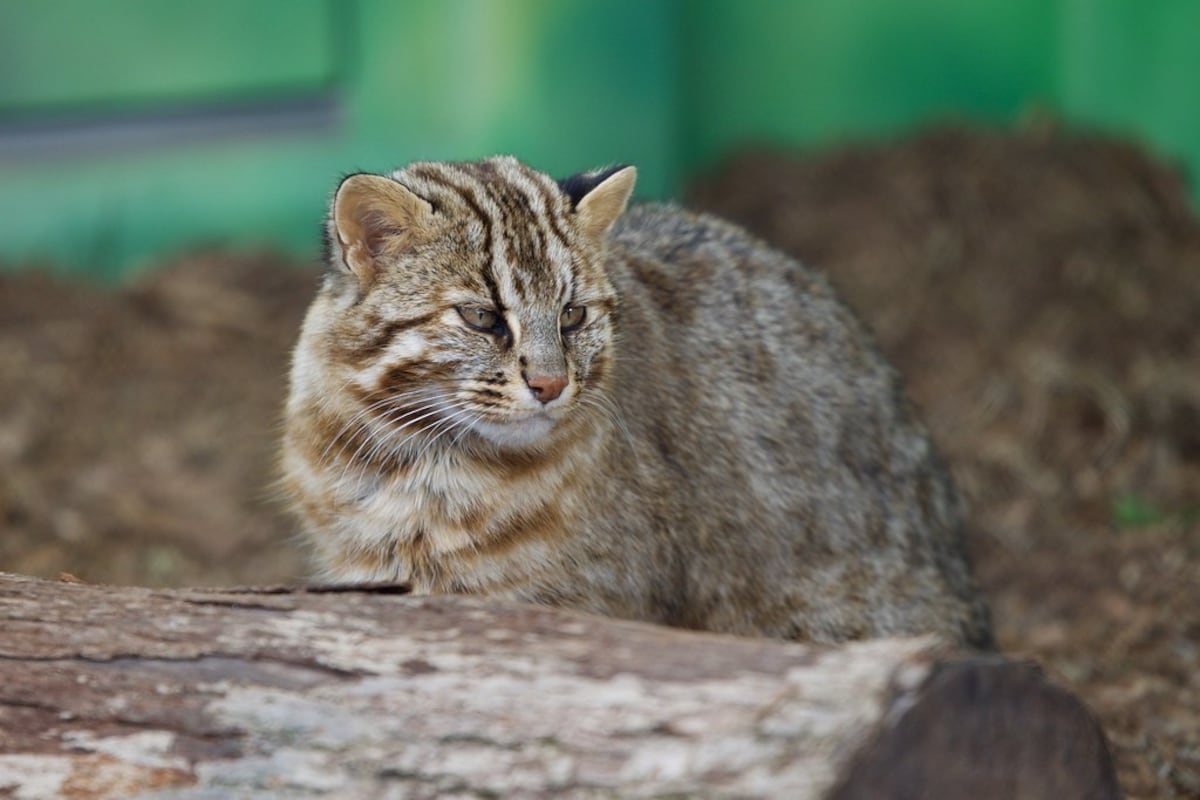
371,216
598,198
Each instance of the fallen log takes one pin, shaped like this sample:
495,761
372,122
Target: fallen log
284,693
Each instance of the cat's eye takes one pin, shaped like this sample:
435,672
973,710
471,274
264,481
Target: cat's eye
572,317
483,319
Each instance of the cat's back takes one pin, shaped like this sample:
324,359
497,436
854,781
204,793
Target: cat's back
746,329
795,457
513,386
711,280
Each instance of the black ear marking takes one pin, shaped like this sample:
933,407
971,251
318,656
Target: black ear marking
577,187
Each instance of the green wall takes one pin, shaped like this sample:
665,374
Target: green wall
132,128
819,71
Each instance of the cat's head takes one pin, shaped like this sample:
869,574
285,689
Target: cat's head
469,301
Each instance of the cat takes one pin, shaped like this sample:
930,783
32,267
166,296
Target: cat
517,387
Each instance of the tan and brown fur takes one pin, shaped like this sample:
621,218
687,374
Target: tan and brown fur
724,450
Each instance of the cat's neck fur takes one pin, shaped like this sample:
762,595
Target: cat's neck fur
432,511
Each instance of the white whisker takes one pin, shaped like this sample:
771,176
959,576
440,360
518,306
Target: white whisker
453,422
388,442
609,408
423,411
364,413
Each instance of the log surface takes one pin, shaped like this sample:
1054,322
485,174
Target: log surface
270,693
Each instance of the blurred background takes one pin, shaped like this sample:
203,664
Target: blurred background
1004,190
130,128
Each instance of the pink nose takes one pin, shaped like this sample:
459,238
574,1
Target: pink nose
546,387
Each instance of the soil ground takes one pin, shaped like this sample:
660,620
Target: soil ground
1039,291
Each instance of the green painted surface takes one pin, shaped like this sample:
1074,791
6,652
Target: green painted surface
60,55
800,73
1134,68
428,79
670,85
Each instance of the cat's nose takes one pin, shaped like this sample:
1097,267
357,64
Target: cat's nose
546,387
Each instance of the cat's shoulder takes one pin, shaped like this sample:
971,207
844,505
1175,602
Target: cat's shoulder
672,245
668,227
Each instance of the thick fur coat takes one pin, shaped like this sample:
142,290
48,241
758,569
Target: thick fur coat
512,386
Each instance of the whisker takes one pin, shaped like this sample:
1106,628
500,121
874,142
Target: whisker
346,427
453,422
478,415
388,442
425,411
452,406
362,421
609,408
364,412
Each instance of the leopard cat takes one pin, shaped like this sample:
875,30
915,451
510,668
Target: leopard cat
520,388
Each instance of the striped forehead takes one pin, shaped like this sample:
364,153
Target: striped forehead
518,216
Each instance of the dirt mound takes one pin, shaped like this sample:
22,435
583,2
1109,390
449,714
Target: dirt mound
137,426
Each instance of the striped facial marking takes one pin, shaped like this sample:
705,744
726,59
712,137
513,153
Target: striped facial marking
493,326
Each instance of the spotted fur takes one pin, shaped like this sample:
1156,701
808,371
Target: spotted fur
717,445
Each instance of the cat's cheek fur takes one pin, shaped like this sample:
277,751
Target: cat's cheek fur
407,348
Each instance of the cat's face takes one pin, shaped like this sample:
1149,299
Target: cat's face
469,302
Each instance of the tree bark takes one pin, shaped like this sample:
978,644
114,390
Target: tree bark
286,693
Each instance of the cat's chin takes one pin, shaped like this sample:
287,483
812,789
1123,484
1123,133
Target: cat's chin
532,430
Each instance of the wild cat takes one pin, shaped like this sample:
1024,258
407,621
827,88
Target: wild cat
512,386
